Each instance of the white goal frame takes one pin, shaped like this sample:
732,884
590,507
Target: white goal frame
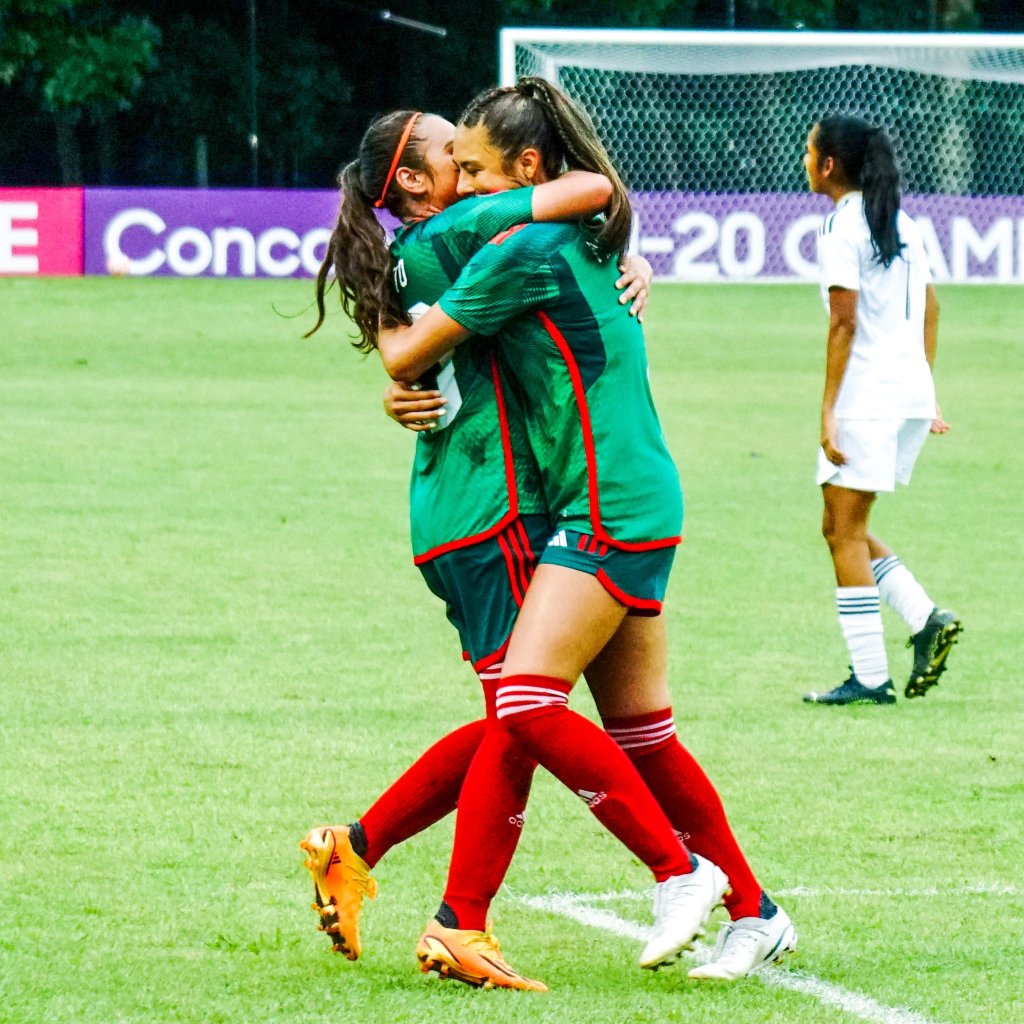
708,235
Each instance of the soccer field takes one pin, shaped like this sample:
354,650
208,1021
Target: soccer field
212,637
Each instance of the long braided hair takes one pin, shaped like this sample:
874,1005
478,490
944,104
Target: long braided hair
865,156
357,250
534,114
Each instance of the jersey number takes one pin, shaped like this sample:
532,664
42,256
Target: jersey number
446,381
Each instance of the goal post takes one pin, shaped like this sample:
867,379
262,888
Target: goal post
708,129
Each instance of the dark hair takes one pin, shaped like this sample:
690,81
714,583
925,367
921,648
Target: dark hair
865,157
357,249
535,114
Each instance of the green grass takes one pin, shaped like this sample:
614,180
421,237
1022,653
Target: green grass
212,637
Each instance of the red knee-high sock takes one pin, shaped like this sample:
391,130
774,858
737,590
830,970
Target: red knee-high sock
689,799
535,711
489,822
423,794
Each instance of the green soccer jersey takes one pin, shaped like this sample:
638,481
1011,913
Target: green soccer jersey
580,358
474,472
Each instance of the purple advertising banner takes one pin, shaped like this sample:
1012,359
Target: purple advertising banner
686,236
207,232
705,237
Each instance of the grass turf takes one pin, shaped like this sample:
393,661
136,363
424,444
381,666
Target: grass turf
211,637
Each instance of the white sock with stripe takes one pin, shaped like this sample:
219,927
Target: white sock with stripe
901,592
860,619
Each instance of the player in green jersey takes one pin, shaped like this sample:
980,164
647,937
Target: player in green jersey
616,500
476,555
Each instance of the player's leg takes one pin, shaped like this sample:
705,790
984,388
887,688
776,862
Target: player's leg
933,630
848,492
629,682
492,802
573,608
845,528
491,813
339,857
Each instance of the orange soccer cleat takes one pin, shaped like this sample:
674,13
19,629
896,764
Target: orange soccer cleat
471,957
341,878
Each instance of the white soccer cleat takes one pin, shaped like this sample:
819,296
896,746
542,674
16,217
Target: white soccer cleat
682,906
747,945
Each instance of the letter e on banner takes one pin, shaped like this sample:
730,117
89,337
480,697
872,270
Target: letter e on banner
41,231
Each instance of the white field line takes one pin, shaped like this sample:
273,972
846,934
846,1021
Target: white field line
987,889
578,909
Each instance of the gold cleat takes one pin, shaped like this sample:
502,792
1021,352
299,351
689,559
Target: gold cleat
471,957
341,879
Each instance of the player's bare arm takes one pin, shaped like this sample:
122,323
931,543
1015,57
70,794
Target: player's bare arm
408,352
573,195
931,345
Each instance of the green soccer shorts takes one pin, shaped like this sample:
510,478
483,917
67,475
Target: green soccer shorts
483,585
636,579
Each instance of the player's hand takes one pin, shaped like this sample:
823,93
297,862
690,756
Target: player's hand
636,278
939,425
413,408
828,438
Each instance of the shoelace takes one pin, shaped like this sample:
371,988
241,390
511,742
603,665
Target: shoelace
680,891
740,940
488,944
352,875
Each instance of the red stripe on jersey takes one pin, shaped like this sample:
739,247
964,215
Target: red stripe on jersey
590,451
465,542
510,482
622,597
506,437
513,543
530,559
501,236
581,544
517,591
524,539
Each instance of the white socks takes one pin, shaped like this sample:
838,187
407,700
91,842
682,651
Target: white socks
860,619
901,592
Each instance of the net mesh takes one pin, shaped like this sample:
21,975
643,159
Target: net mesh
709,135
734,118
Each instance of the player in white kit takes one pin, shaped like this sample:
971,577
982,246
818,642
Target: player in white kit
879,400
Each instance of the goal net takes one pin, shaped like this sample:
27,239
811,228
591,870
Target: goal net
708,130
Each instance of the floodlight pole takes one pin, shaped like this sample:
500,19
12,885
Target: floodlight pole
254,137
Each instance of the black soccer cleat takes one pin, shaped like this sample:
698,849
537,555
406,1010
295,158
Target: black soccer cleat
931,648
853,691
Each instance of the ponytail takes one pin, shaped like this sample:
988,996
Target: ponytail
880,181
865,157
357,251
534,114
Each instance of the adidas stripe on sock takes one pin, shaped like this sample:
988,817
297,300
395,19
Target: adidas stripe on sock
898,588
860,619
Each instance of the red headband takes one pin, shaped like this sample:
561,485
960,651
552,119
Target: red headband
402,143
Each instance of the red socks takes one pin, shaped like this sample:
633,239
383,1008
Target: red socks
689,799
534,709
488,826
423,794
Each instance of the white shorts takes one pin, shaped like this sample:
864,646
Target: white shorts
879,453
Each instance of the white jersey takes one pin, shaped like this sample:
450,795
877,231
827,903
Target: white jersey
887,374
